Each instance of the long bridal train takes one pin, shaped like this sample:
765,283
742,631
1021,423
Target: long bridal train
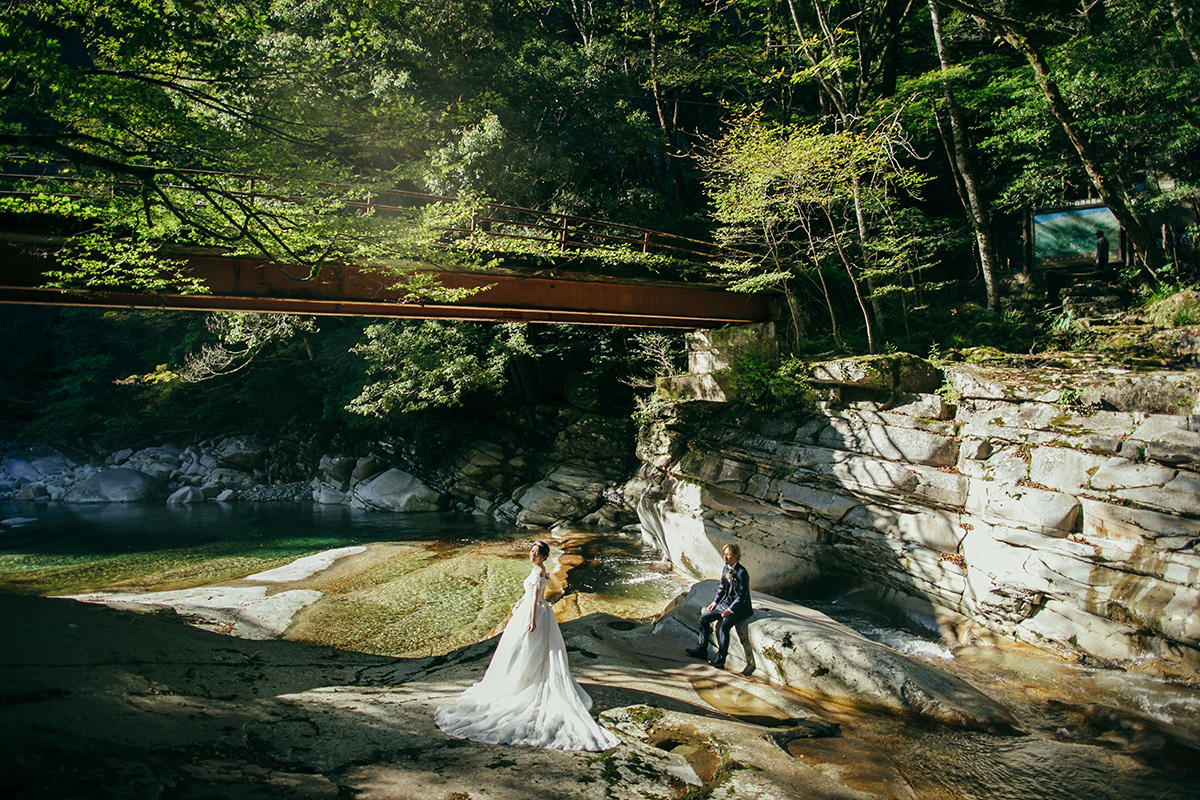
528,695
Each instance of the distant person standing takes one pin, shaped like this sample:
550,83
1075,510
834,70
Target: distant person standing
731,606
1101,250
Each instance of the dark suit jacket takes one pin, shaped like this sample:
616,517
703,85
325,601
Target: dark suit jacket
734,592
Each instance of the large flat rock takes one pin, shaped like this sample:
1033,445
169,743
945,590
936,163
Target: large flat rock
102,702
804,649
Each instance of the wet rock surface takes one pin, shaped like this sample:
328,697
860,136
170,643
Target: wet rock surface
120,485
99,699
804,649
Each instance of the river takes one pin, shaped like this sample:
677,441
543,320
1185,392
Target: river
447,580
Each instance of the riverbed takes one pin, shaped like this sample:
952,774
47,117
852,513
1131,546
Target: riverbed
402,585
429,586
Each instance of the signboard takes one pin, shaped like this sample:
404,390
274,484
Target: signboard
1068,237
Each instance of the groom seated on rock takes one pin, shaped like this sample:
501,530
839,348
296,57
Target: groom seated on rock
731,606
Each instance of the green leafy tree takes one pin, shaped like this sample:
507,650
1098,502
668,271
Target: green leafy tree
415,366
245,125
791,199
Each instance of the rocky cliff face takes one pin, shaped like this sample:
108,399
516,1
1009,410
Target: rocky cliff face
1052,506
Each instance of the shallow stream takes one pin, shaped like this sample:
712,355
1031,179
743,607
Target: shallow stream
1086,733
429,583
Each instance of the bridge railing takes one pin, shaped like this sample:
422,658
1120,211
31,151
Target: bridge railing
498,220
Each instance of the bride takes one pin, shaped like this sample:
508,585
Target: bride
528,696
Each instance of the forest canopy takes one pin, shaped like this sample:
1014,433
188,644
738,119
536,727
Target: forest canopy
603,109
874,162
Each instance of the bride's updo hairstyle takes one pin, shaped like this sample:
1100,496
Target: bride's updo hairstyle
542,548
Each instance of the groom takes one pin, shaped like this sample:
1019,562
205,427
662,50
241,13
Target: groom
731,606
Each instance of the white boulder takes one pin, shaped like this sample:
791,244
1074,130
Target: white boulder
120,485
395,490
798,647
186,494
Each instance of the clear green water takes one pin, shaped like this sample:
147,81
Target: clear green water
426,585
615,565
75,548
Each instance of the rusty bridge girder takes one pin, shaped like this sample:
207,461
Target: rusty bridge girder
518,294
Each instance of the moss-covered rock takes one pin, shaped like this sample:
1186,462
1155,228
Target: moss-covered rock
895,372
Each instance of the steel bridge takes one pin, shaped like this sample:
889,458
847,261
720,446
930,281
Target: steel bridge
522,289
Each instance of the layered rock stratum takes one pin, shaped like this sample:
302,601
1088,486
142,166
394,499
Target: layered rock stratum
1019,500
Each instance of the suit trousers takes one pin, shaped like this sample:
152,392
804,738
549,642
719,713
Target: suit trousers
724,625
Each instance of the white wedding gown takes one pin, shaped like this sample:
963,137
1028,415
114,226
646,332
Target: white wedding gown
528,696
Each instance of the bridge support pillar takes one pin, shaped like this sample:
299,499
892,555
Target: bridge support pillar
711,354
713,350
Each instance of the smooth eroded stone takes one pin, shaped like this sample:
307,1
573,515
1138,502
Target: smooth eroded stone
242,452
936,530
873,476
969,382
711,388
974,449
1121,473
778,556
328,496
1063,469
921,406
1116,424
365,468
864,373
339,468
992,561
724,472
807,650
1006,464
186,494
1178,496
718,349
1062,623
826,502
548,502
32,491
19,468
120,485
901,372
1134,524
247,612
939,488
486,454
1165,435
395,490
577,481
1023,507
227,477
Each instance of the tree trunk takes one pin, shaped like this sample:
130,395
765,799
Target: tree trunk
858,295
825,293
672,167
965,168
864,233
891,19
